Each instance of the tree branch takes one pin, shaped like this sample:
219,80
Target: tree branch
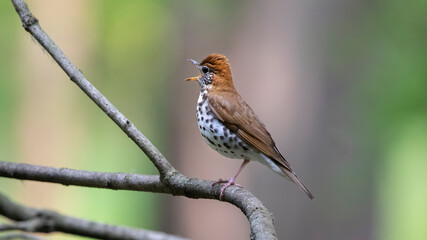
35,220
116,181
259,218
169,181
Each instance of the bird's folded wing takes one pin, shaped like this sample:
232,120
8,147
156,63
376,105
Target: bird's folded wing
232,110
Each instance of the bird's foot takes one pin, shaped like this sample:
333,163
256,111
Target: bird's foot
231,181
225,184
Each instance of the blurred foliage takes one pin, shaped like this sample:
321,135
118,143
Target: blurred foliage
398,86
402,194
129,65
129,59
9,97
381,53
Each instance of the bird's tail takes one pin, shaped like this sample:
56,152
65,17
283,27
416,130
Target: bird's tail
296,180
284,170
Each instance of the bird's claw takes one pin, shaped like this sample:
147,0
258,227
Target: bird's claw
225,184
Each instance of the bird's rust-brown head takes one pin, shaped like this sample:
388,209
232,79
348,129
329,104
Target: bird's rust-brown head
214,73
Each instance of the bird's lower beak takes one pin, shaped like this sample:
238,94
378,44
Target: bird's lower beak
198,66
192,79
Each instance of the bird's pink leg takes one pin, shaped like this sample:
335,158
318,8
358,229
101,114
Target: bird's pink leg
231,181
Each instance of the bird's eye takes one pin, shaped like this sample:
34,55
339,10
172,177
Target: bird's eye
205,69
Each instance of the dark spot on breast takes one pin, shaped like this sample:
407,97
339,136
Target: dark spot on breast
219,145
230,139
221,137
211,126
232,152
207,120
204,128
204,97
216,138
225,152
211,118
226,134
227,146
216,130
245,148
210,141
235,138
241,144
200,127
242,155
206,108
209,112
203,118
211,130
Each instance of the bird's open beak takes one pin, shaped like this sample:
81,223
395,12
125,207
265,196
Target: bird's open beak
198,66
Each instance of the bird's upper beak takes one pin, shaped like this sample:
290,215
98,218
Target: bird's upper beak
198,66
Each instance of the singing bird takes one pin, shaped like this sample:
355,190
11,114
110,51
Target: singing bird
230,126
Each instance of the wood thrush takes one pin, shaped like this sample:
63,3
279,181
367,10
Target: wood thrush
230,126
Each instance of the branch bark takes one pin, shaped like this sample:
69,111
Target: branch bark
115,181
259,218
14,236
35,220
170,180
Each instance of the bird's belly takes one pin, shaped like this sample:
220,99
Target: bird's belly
218,136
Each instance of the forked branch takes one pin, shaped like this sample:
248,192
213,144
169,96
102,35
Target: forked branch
170,180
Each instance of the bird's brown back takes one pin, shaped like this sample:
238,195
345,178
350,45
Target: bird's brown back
230,108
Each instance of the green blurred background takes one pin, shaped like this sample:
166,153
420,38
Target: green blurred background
341,85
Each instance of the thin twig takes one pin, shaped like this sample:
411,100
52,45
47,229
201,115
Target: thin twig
14,236
260,219
35,220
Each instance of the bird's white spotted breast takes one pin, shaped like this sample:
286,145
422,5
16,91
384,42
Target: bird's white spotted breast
217,136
